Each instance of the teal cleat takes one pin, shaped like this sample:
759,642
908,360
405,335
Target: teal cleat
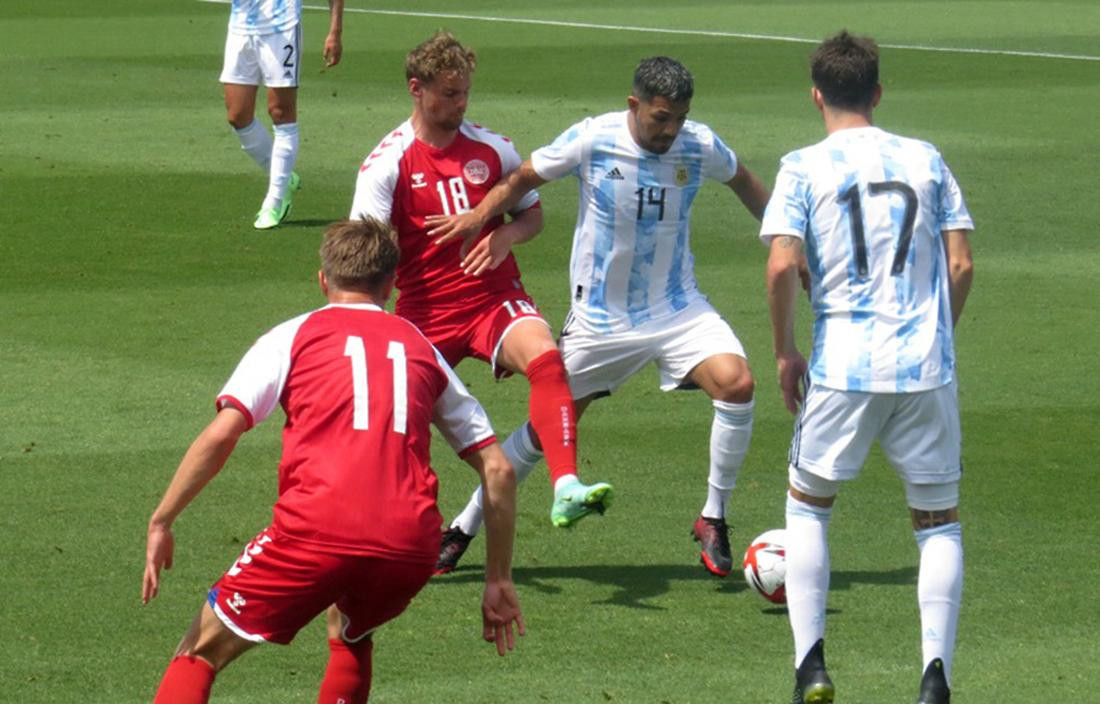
269,218
295,181
575,501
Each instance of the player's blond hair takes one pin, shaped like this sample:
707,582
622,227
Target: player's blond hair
359,255
439,55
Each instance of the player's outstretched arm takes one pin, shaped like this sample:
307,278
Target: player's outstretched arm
500,605
750,190
960,269
502,198
490,251
783,265
334,47
202,461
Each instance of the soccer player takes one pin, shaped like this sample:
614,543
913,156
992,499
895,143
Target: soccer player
635,298
356,522
263,45
437,162
884,227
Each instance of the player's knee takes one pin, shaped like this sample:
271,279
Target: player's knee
240,120
282,114
736,388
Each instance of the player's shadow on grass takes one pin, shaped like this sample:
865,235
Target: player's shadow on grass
634,584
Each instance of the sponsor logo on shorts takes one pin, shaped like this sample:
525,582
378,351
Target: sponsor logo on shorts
236,603
476,171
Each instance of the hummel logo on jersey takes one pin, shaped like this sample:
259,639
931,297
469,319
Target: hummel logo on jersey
418,180
614,174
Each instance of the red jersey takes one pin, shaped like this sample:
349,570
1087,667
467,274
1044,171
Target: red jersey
359,388
405,180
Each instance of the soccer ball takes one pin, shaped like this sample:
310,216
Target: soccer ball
766,567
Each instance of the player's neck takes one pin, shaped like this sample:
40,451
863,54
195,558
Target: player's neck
433,136
337,296
836,120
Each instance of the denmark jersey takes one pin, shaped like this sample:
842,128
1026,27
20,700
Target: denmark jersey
359,388
404,180
871,208
255,17
631,259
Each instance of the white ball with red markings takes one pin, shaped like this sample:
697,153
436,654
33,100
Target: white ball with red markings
766,565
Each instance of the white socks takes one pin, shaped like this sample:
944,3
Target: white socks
939,591
284,151
807,554
523,455
256,142
730,433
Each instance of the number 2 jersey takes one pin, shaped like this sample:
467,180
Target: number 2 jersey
359,387
871,208
404,180
631,259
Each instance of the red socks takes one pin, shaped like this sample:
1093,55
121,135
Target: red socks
552,414
186,681
347,677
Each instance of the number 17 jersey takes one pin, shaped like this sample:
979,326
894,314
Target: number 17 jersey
871,207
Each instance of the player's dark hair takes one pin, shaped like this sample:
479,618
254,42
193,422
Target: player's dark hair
664,77
845,69
359,255
439,54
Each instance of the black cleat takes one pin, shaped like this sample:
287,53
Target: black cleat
933,686
451,549
713,536
811,683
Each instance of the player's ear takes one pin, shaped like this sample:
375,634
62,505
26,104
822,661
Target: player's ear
876,96
322,282
416,88
818,98
632,102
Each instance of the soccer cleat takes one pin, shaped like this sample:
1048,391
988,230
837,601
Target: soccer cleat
295,181
933,686
451,549
575,501
811,683
713,536
269,218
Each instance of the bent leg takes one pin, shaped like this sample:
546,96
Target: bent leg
726,378
206,648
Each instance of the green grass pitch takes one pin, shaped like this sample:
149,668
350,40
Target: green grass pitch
131,281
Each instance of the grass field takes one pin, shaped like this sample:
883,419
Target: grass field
131,281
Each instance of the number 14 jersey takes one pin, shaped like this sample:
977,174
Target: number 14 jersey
871,208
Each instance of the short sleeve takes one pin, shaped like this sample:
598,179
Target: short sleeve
953,213
257,383
721,162
562,156
509,162
459,416
788,210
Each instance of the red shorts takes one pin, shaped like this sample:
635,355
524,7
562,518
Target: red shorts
474,329
278,585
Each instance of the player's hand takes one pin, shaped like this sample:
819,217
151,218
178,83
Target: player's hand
334,49
499,610
159,546
792,369
444,228
488,252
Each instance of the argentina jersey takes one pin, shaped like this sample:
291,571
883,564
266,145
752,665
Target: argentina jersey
631,260
255,17
871,208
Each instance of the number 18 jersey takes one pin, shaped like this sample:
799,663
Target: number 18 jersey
871,208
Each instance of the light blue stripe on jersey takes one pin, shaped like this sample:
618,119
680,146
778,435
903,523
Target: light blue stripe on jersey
645,242
681,254
602,160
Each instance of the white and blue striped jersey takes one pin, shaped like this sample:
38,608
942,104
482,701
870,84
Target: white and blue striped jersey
256,17
871,208
631,259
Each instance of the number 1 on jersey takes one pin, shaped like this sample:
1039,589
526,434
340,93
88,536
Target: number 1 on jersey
354,349
459,201
855,216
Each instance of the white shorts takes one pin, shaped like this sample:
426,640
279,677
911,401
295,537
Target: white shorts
919,432
600,362
268,59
